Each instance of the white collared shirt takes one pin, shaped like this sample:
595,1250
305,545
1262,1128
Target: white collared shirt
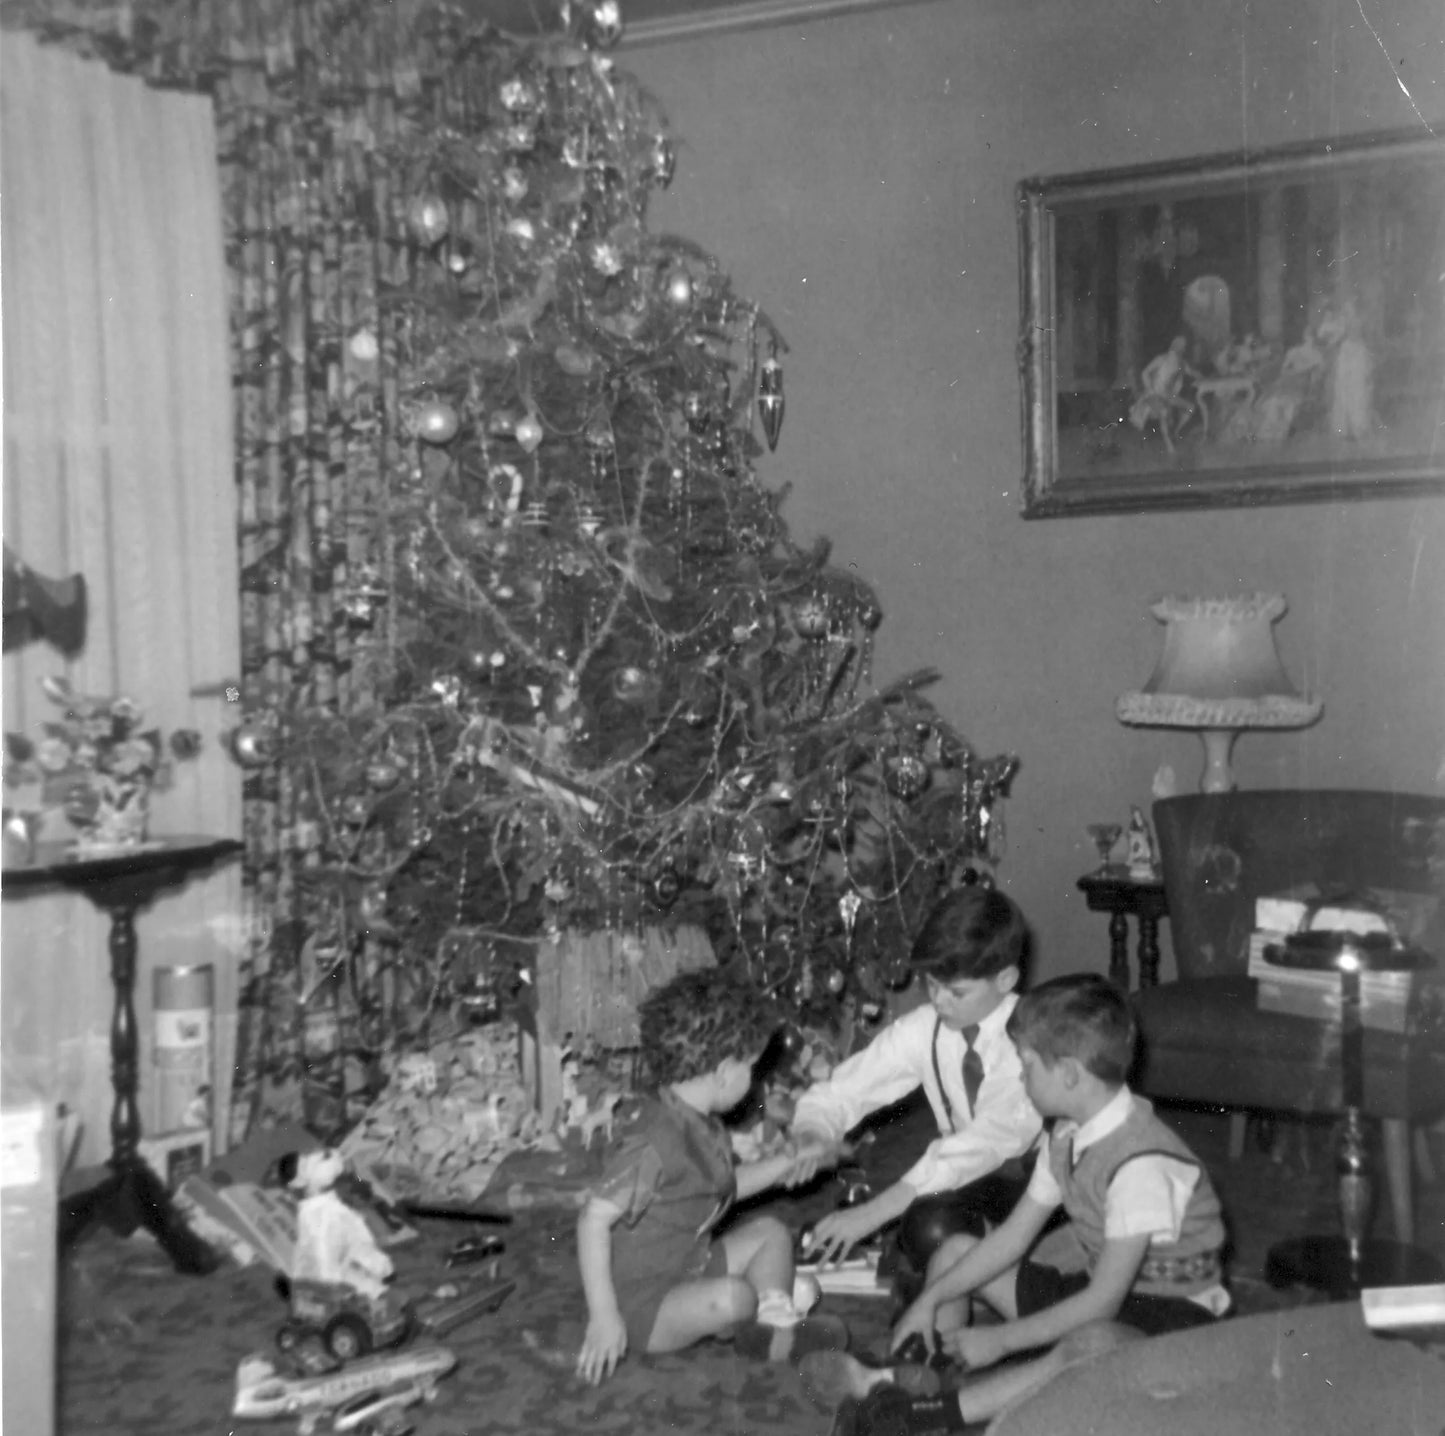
899,1060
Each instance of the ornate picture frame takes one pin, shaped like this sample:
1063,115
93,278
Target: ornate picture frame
1264,327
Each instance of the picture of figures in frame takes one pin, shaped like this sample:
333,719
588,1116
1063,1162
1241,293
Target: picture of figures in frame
1236,329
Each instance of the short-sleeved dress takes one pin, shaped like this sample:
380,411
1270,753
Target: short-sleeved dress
670,1170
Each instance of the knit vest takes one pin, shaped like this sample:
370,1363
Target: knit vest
1179,1268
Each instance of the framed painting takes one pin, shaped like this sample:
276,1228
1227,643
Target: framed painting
1235,329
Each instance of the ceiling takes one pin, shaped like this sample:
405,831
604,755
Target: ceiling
650,21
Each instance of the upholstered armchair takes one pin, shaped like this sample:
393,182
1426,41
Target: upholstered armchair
1205,1038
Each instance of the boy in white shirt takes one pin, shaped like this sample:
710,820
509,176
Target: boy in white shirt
956,1048
1142,1246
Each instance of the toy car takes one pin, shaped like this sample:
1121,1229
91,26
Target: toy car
457,1302
349,1323
477,1248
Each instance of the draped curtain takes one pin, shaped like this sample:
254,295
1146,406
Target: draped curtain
320,108
117,464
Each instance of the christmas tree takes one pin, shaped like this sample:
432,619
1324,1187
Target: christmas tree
614,692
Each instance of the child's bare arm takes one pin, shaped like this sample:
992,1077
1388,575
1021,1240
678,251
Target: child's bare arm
605,1343
1005,1246
1119,1264
755,1177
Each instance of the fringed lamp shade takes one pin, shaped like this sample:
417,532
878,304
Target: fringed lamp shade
1219,674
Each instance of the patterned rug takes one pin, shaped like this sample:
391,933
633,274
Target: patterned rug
150,1352
147,1352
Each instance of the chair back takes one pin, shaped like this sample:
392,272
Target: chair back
1221,851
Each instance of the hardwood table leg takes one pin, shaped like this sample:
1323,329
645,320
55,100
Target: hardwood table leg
1119,950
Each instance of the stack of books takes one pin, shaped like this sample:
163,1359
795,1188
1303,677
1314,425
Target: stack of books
1304,992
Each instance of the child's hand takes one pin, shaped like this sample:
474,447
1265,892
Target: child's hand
977,1346
839,1232
602,1348
809,1157
917,1320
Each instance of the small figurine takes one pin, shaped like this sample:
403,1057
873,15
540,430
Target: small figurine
333,1242
1141,856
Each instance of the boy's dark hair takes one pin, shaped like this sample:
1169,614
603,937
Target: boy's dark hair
1083,1016
972,932
690,1023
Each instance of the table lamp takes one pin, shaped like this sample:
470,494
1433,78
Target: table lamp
1219,674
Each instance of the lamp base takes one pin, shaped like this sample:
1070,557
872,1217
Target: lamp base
1218,745
1324,1264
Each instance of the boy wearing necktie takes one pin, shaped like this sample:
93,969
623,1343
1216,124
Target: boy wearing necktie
956,1048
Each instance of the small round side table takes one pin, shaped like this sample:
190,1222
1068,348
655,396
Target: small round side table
1342,1265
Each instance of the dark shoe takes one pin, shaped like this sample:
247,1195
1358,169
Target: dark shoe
832,1377
789,1343
885,1411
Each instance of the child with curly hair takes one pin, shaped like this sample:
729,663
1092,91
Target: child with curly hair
656,1278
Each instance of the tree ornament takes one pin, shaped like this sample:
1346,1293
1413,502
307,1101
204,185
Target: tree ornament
679,288
359,609
588,520
836,982
907,776
848,906
606,258
697,411
363,346
251,746
448,688
436,422
382,774
770,401
459,257
535,516
518,97
666,887
528,432
520,138
632,684
514,184
429,219
810,618
870,616
521,229
355,810
606,24
664,161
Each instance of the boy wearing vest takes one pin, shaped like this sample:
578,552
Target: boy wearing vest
656,1279
1139,1253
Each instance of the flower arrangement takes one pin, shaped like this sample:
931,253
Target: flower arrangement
98,763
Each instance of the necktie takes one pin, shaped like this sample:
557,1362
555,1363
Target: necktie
972,1068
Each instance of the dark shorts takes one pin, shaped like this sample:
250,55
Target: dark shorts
640,1299
1040,1286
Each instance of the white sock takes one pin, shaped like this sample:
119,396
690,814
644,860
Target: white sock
807,1292
775,1308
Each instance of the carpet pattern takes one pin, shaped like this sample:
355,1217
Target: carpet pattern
146,1351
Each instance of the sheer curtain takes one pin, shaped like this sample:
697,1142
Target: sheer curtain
118,463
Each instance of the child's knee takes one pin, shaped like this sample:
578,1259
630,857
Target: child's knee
952,1250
